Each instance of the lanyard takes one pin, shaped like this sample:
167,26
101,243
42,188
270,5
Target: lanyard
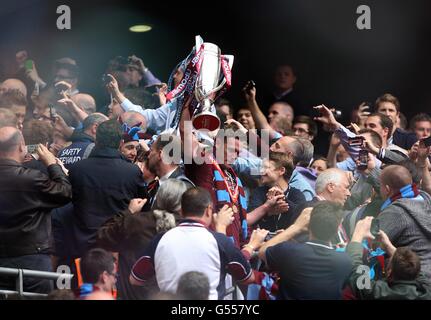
234,196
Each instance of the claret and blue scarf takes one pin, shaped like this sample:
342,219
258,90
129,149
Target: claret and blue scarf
409,191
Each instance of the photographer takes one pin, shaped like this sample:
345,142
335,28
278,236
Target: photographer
404,279
26,198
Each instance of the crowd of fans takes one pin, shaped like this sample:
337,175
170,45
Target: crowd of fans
86,184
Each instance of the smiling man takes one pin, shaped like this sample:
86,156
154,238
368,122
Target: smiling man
130,144
245,117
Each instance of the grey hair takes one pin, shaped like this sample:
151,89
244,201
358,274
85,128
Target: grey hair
94,118
168,203
307,155
297,149
332,175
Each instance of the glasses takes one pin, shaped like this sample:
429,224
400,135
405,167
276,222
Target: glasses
42,118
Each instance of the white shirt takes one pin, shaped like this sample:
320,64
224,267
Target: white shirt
166,176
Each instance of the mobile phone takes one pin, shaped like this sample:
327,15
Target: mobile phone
427,141
61,87
52,113
28,64
106,79
355,141
270,235
375,227
31,148
315,113
363,159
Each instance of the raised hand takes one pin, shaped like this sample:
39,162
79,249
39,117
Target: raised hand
238,125
45,155
223,218
326,117
136,205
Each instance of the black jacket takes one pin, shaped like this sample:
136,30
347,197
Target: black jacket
404,139
81,148
103,185
293,197
27,197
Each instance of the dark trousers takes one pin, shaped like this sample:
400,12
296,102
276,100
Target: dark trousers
40,262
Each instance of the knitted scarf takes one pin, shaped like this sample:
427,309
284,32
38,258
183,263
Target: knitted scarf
223,197
409,191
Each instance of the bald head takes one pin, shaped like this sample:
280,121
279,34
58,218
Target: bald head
132,118
85,102
13,84
395,177
280,109
10,141
90,124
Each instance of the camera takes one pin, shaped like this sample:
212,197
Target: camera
337,113
427,141
250,85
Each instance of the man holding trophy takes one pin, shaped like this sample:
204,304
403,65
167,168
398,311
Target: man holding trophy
206,76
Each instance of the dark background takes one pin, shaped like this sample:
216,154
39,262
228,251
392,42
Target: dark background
336,63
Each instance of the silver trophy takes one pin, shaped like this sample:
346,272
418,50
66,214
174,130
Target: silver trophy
210,80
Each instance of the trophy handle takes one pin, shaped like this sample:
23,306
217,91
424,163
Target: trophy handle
199,97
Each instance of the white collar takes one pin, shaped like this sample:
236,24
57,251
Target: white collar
320,198
166,176
278,96
319,245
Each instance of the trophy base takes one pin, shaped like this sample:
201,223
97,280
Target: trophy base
206,120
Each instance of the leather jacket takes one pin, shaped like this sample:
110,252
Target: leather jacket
27,197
